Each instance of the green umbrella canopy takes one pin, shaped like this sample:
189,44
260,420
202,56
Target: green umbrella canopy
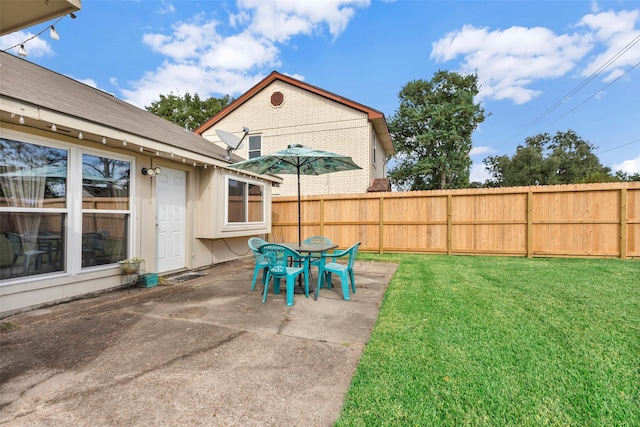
299,160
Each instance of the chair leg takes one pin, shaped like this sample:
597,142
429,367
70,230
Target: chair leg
353,282
266,288
255,277
291,282
344,281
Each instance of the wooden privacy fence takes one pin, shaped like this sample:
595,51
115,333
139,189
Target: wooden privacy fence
587,220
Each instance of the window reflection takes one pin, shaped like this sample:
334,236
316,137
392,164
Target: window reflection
245,202
105,183
33,179
32,176
236,212
104,238
105,188
37,251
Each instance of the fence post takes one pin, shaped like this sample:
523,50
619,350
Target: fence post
623,223
449,222
322,217
529,224
381,228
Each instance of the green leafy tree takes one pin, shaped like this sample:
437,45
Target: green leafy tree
544,160
188,111
627,177
431,132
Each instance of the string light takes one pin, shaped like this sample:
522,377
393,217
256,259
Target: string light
52,33
124,143
104,140
141,149
21,120
80,135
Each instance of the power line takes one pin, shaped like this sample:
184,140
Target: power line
618,146
590,97
565,98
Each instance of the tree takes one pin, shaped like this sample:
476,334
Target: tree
431,132
189,111
564,159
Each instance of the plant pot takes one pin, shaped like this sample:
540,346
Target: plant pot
129,267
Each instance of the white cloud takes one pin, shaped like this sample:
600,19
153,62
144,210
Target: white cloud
200,59
165,8
509,61
617,32
479,173
478,151
629,166
279,21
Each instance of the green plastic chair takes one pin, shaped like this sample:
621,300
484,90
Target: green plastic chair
261,262
329,265
278,257
315,261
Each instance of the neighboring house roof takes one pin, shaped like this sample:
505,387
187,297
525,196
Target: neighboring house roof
375,116
25,82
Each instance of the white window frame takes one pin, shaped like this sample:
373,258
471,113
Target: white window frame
246,224
73,210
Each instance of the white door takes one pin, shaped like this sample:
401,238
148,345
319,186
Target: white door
171,187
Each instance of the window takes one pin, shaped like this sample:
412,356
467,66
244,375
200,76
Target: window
33,208
255,146
105,210
245,202
38,234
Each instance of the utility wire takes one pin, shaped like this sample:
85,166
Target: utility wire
590,97
618,146
577,88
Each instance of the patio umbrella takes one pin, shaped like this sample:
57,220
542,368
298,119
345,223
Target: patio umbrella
300,160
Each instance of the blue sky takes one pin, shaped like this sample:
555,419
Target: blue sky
544,66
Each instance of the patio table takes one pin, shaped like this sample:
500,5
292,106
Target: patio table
309,248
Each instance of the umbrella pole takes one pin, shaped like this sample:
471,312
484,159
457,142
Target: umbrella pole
299,238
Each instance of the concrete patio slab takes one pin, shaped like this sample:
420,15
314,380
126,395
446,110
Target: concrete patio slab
206,352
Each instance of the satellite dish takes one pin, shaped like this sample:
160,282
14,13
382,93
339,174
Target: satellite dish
232,141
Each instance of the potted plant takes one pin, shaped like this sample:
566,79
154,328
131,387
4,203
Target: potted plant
131,265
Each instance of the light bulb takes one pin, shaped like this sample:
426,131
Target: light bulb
157,153
22,51
184,160
54,128
80,135
141,149
54,34
124,143
194,164
104,140
205,166
21,120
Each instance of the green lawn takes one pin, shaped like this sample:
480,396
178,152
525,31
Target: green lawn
496,341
